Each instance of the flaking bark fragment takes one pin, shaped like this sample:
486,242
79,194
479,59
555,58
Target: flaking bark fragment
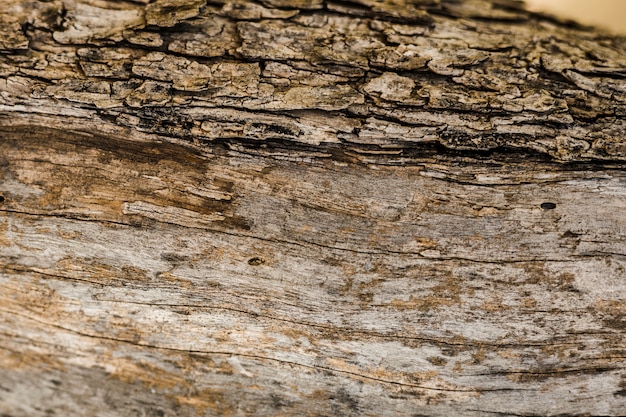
362,59
167,13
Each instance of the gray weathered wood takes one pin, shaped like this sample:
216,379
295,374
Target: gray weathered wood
310,208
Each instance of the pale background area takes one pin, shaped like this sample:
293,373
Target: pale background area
609,14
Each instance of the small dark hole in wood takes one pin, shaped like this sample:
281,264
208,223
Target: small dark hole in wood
548,206
1,198
255,261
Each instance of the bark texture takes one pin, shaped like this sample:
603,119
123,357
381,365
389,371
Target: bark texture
310,208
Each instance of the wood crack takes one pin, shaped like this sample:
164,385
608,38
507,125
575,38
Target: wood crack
257,357
304,243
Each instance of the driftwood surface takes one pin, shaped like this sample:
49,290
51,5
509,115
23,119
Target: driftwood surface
310,208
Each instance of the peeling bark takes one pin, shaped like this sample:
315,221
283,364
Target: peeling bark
310,208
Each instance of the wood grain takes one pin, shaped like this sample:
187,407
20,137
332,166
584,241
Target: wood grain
310,208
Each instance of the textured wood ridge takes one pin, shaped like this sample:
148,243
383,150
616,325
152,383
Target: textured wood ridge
310,208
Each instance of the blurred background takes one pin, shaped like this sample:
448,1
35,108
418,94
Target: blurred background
608,14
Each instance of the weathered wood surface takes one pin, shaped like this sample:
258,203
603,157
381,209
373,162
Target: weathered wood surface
310,208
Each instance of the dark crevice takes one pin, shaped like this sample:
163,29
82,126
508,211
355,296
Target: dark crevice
552,373
417,153
357,10
512,414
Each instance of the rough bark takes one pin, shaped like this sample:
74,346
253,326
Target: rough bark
310,208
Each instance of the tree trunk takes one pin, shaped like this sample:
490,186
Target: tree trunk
310,207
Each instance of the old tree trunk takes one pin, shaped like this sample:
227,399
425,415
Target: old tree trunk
309,207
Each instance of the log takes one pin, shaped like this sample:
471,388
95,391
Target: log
310,208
